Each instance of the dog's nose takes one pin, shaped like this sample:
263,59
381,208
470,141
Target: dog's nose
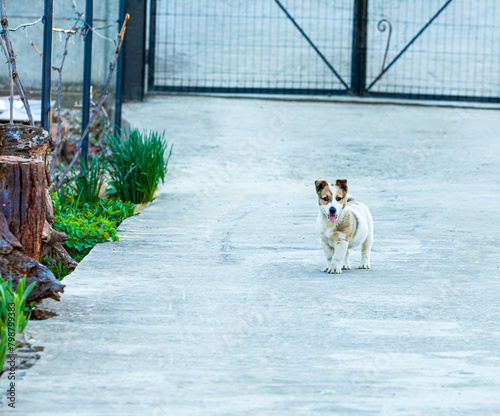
333,210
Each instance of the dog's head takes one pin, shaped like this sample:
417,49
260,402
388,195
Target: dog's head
331,198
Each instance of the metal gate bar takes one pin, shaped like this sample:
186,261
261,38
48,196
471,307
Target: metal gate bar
304,35
241,47
359,46
320,53
440,50
384,70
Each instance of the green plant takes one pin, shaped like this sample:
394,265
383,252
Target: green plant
84,186
88,224
137,165
13,314
88,184
57,268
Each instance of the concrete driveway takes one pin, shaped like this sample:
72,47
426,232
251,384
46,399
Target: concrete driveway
214,301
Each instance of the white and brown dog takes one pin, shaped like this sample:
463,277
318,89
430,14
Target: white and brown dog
343,223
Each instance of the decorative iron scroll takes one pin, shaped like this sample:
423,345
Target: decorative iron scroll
382,26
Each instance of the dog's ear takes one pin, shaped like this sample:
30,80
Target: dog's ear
342,184
320,184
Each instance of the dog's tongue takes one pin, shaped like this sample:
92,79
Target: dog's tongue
332,218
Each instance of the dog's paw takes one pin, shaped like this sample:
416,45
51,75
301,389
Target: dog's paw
364,266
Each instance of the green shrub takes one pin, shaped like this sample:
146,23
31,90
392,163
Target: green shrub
88,224
57,268
88,184
13,306
138,164
83,216
85,185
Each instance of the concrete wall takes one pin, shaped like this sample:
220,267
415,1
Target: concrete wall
30,64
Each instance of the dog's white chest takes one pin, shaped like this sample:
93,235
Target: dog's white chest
323,230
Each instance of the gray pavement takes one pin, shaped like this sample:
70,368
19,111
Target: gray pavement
214,301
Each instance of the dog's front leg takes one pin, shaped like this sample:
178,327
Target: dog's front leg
338,257
329,251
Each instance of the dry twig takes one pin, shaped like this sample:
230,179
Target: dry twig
25,25
11,60
112,67
11,79
36,49
59,88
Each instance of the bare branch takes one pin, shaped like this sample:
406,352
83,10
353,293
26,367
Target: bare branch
9,63
11,57
66,31
112,67
59,89
25,25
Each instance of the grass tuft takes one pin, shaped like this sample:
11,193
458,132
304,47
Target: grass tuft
138,164
14,315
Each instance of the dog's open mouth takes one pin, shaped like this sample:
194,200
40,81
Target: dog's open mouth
332,218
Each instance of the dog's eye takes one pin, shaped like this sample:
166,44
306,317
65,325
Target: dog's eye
325,199
339,198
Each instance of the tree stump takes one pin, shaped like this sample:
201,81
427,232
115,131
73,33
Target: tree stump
22,220
26,216
24,141
33,143
22,182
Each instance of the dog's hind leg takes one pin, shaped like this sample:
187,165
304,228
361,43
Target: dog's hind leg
347,264
366,249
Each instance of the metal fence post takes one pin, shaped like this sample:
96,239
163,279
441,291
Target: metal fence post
48,17
359,46
87,77
134,51
152,44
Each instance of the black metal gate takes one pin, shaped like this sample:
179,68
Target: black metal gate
426,49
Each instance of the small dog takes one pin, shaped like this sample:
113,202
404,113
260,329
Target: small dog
343,223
